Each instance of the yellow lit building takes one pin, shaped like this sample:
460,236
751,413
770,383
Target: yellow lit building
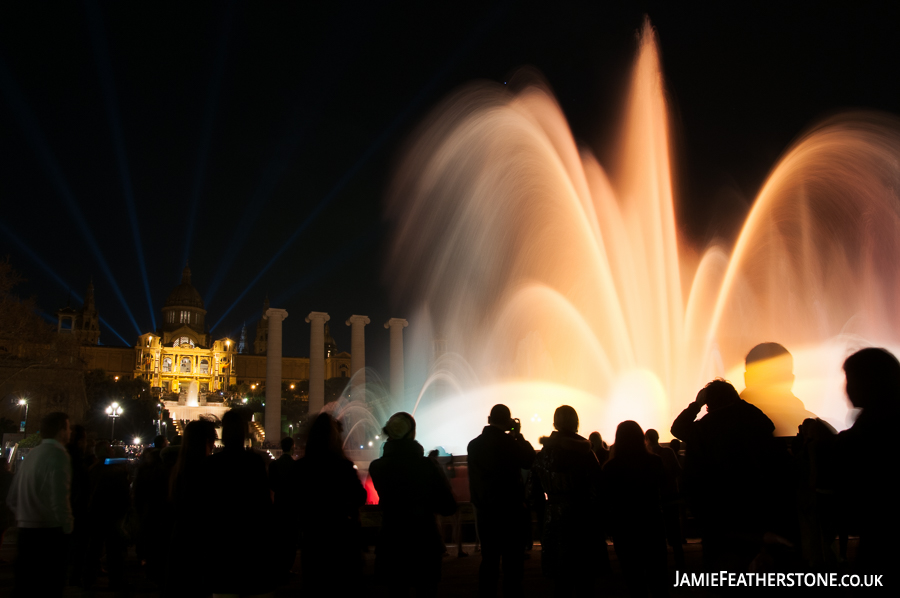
182,350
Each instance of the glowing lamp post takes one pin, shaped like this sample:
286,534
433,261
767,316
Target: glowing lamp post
23,403
114,411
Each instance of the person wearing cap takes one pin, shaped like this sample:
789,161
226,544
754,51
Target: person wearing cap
495,460
411,491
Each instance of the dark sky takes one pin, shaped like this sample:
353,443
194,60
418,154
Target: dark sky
257,140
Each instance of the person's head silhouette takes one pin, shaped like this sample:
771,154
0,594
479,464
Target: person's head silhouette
873,378
718,394
769,366
629,440
500,417
565,419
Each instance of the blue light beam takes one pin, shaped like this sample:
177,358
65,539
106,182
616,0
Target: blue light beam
327,267
37,260
32,130
104,72
462,50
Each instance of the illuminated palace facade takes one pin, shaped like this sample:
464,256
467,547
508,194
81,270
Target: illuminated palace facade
182,349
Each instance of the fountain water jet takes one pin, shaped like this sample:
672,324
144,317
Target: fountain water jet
193,391
560,283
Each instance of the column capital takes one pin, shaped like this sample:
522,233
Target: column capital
396,322
318,316
277,313
357,320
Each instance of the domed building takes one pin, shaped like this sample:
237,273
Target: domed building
183,313
181,351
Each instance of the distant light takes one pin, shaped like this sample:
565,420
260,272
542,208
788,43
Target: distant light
292,387
360,446
244,400
117,378
23,402
370,443
377,437
137,440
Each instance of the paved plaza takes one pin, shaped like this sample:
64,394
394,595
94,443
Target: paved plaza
459,576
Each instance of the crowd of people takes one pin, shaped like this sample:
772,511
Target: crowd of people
233,521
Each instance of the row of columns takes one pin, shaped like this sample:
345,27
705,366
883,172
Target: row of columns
317,321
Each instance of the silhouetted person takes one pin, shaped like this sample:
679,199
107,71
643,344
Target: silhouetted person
676,447
40,499
727,469
151,489
280,471
496,459
818,496
769,380
160,442
635,480
568,474
281,480
329,495
238,477
169,454
868,452
601,451
108,504
411,491
80,496
189,548
670,496
7,517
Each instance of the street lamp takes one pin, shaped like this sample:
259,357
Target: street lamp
23,403
114,411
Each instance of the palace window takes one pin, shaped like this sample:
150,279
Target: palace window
204,366
184,341
185,365
185,317
167,364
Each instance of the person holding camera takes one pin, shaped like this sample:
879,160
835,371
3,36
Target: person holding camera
496,459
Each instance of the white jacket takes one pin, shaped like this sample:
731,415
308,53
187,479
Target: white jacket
40,491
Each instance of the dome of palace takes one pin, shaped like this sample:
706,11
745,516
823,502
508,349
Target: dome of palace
185,295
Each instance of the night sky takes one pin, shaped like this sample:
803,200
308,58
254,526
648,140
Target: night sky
257,140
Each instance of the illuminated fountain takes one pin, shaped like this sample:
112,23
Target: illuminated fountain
558,282
193,391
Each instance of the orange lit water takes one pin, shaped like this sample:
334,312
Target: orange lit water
555,282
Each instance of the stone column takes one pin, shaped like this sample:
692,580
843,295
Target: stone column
317,320
358,356
273,375
396,326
